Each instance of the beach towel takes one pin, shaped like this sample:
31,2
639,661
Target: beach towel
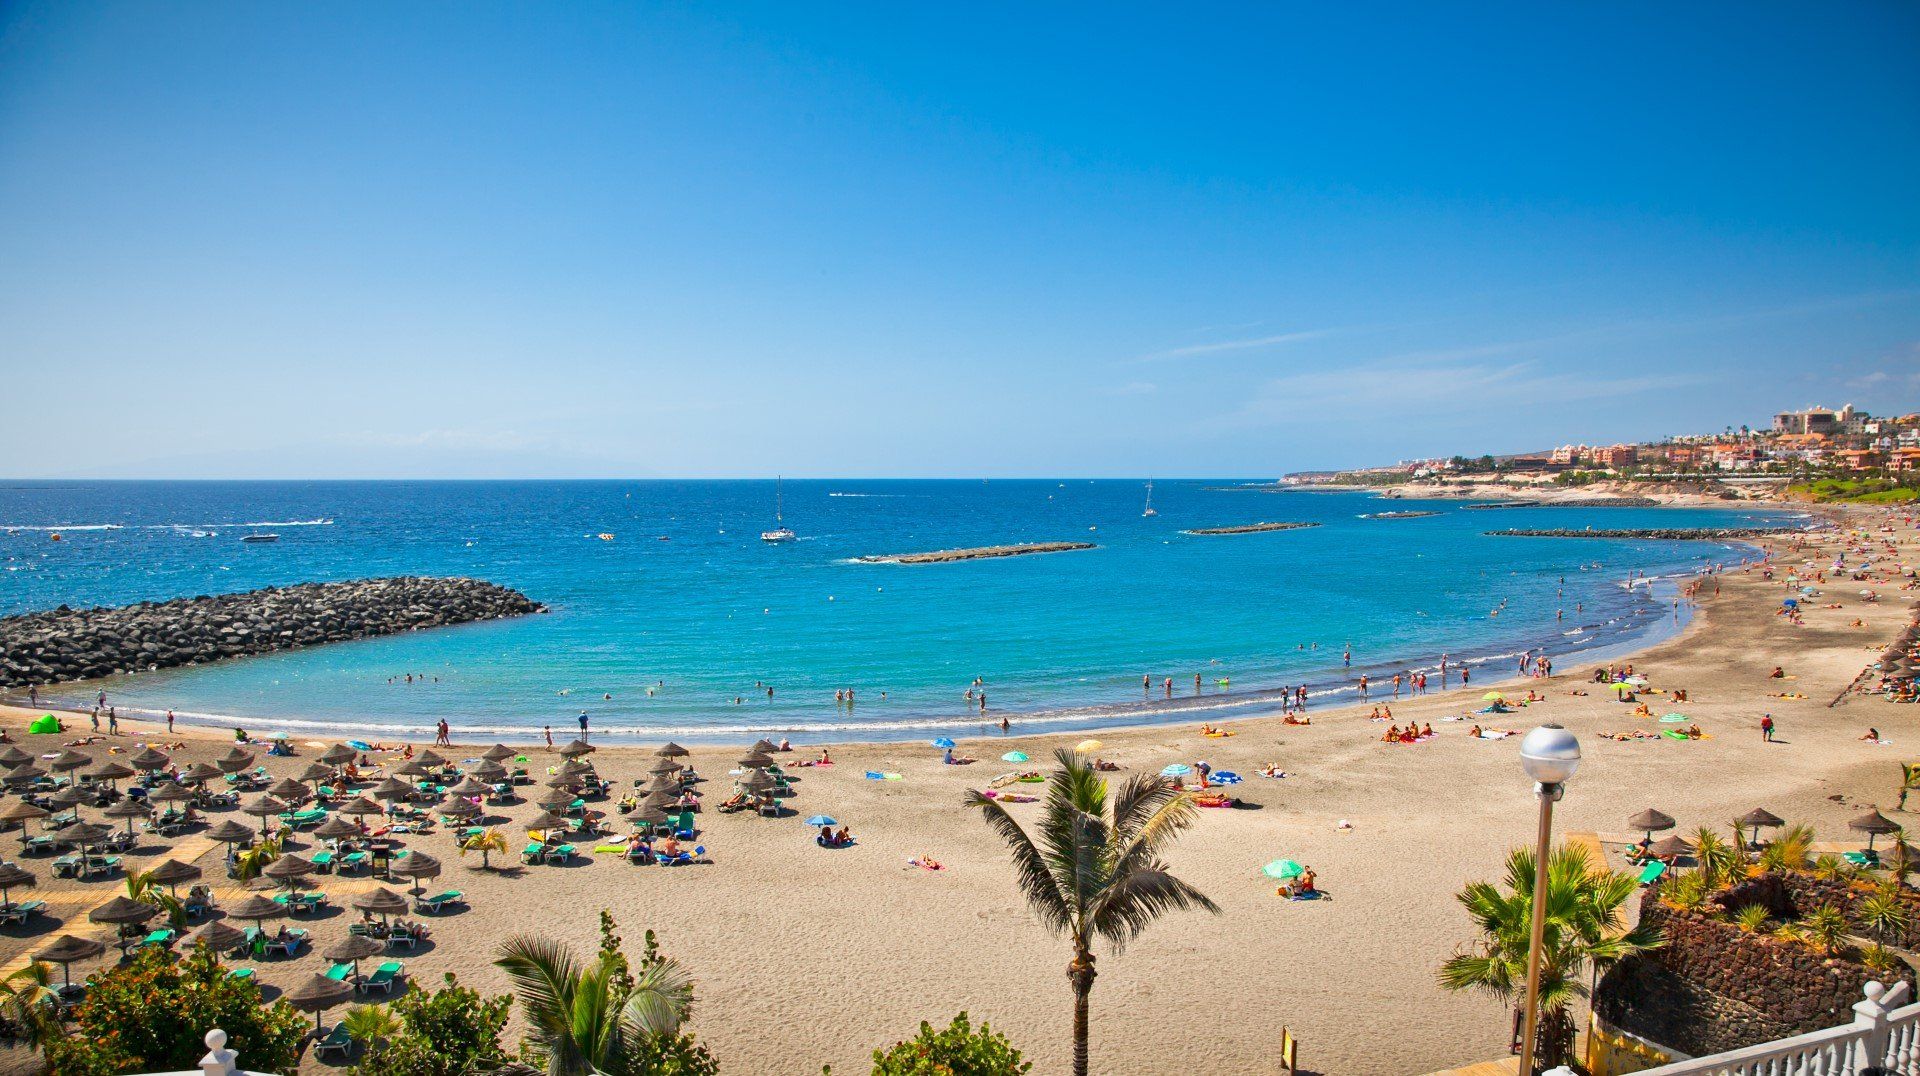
1675,734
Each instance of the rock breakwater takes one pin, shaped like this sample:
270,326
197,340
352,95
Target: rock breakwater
987,552
67,644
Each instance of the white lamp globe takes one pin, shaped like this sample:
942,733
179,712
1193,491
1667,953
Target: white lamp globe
1550,755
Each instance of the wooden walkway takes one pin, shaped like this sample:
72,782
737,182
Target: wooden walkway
1506,1066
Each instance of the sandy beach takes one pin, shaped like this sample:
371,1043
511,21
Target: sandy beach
805,956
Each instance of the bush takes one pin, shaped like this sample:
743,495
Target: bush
442,1033
153,1014
956,1050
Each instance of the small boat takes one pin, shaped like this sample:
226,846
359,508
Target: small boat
1149,509
604,537
259,537
779,533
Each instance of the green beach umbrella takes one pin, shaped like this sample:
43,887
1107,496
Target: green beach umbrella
1492,696
1621,688
1014,756
1673,719
1281,870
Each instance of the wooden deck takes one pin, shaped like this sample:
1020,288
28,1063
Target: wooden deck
1506,1066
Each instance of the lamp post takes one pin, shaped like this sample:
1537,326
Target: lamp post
1550,755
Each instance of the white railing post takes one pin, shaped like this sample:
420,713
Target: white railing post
219,1059
1870,1019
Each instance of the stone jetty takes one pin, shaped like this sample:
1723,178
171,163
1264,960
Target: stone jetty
1703,534
943,556
1251,528
67,644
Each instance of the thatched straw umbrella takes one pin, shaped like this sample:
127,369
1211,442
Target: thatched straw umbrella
69,760
124,913
432,758
1873,824
336,829
380,902
263,807
199,774
576,749
219,936
756,760
66,950
170,792
13,876
234,761
86,835
23,812
1757,819
354,948
148,760
128,809
111,771
672,750
289,790
574,767
417,866
393,788
764,746
556,801
338,755
230,833
23,775
469,786
413,768
498,753
1651,820
489,771
359,805
455,807
315,772
1670,846
545,823
171,872
258,907
651,815
664,767
13,758
288,870
317,994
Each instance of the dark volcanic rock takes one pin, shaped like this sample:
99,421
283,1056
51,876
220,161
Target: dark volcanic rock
76,644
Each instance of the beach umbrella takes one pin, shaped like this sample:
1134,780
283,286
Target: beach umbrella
665,765
664,798
1650,821
393,788
756,760
234,761
546,821
71,796
317,994
498,753
1621,688
413,768
756,781
336,829
258,907
359,805
490,771
230,833
315,772
574,767
665,784
651,814
128,809
556,801
417,866
765,746
263,807
13,876
23,812
454,806
563,782
170,792
1283,870
25,775
1088,746
1493,696
432,758
354,948
65,950
149,759
200,773
1873,824
381,902
69,760
944,742
219,936
289,790
672,750
171,872
1224,777
1759,817
1014,756
13,758
1670,846
822,820
288,870
123,912
468,786
1176,769
338,755
86,834
576,749
111,771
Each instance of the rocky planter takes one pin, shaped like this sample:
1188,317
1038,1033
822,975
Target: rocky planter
68,644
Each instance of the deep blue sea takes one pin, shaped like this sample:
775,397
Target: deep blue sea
685,610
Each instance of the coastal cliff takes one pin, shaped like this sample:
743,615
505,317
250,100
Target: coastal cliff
66,644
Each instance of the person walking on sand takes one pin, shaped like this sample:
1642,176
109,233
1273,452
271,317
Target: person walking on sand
583,724
33,695
1766,728
113,722
169,722
548,729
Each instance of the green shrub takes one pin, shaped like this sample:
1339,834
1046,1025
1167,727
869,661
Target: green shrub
153,1014
956,1050
441,1033
1750,917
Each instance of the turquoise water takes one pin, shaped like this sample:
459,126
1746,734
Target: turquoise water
687,600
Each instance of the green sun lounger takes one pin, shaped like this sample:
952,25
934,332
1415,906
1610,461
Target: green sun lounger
533,851
241,973
1651,872
383,977
162,937
435,904
322,861
337,1041
339,972
353,861
563,852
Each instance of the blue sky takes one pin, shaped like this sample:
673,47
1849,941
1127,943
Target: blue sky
636,240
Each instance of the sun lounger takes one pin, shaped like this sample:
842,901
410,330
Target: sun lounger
66,866
335,1041
435,904
241,973
18,913
289,944
562,852
352,861
1862,859
1652,872
533,853
162,938
322,861
384,977
339,973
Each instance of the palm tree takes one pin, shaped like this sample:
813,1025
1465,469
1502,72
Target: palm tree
29,1004
1909,781
486,844
1585,925
582,1016
248,864
368,1024
1092,869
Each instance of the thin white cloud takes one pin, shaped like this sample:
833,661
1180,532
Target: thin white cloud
1250,344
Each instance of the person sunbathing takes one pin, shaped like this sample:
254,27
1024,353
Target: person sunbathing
825,837
670,847
1427,729
844,837
1105,766
1872,736
1393,734
1474,732
1292,720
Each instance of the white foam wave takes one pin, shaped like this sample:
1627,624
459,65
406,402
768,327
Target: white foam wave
64,527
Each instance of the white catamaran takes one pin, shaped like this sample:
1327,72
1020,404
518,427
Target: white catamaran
1149,510
780,532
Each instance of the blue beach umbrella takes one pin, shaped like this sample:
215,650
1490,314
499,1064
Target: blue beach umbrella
1224,777
943,742
1177,769
1014,756
1281,870
821,820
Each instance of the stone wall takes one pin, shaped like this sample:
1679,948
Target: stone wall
76,644
1714,987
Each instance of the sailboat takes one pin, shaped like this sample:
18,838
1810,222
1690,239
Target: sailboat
780,532
1149,509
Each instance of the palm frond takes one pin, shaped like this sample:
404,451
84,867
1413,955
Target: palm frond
662,994
1031,868
1139,897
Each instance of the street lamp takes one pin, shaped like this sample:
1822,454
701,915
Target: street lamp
1550,755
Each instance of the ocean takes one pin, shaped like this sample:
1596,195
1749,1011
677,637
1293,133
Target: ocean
674,626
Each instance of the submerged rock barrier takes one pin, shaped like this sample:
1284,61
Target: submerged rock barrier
943,556
78,644
1251,528
1703,534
